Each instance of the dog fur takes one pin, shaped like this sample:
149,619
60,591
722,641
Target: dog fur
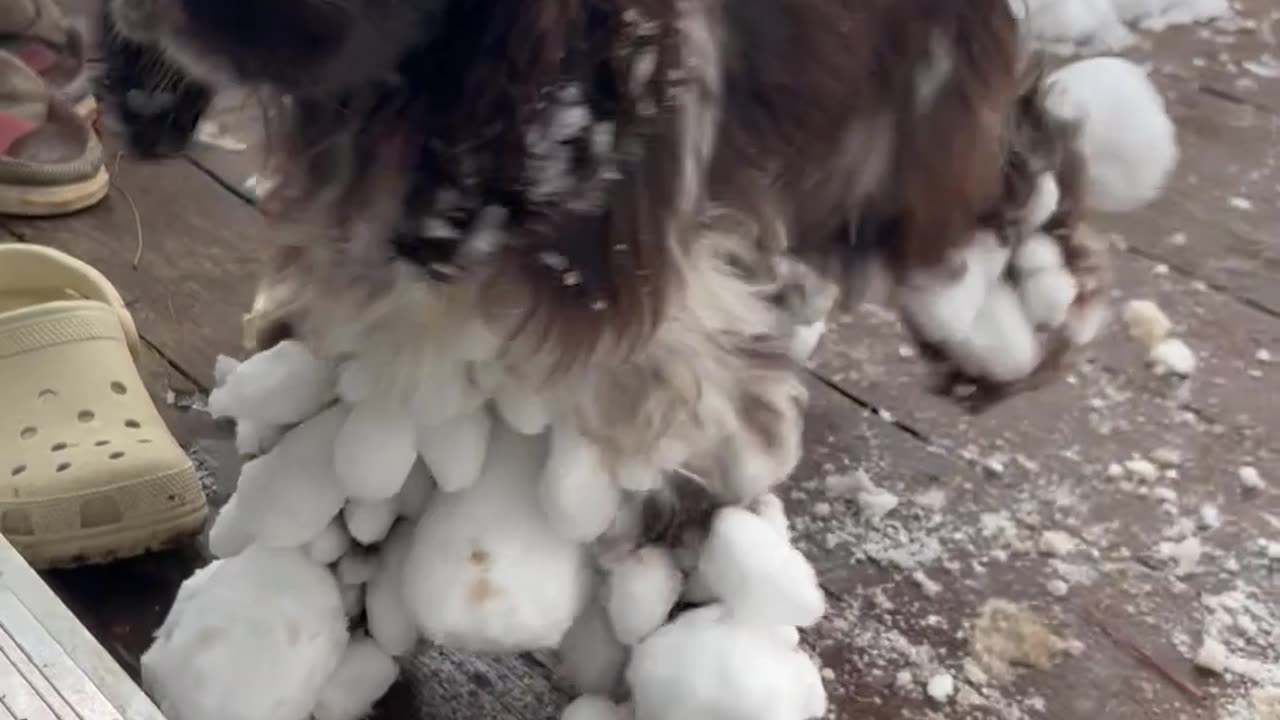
621,198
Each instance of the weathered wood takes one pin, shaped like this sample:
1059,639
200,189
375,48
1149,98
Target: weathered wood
186,260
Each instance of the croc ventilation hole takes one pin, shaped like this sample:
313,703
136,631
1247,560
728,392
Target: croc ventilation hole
63,467
28,432
58,447
116,455
85,416
132,424
119,388
46,394
17,470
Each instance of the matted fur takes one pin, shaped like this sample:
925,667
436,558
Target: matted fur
606,191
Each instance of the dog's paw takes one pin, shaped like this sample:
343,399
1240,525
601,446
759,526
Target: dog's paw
1000,318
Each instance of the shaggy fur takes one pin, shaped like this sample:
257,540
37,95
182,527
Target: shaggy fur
616,189
156,102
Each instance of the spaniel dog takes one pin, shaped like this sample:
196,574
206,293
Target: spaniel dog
624,222
645,199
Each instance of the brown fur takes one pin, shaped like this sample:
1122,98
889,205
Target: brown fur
641,285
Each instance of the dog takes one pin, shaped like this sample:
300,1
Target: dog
569,254
625,189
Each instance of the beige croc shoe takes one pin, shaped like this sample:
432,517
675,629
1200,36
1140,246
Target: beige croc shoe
88,471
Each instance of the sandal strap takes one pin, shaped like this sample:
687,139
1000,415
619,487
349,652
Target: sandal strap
36,267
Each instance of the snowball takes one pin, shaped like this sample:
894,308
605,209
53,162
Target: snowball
1128,141
374,451
252,637
289,495
876,502
486,571
1210,516
254,438
1173,356
364,675
1001,344
229,536
1073,26
388,615
1047,296
770,509
1057,587
223,366
330,544
1142,469
281,386
369,521
454,449
758,576
355,381
1212,656
524,410
1147,323
640,592
445,390
1038,253
591,707
941,687
1160,14
1056,543
418,488
944,309
578,492
590,655
700,667
1250,478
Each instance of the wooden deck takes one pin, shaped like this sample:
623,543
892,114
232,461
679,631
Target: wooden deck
1018,560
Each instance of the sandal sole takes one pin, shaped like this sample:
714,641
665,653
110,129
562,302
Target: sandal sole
54,200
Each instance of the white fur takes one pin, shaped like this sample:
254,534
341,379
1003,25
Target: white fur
445,391
364,675
389,622
577,491
1127,138
703,667
288,496
374,451
454,449
487,572
369,521
591,656
590,707
330,545
252,637
757,575
640,592
280,386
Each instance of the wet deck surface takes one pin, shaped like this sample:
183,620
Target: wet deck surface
1023,558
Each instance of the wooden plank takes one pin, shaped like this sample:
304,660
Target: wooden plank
186,261
908,588
1220,221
